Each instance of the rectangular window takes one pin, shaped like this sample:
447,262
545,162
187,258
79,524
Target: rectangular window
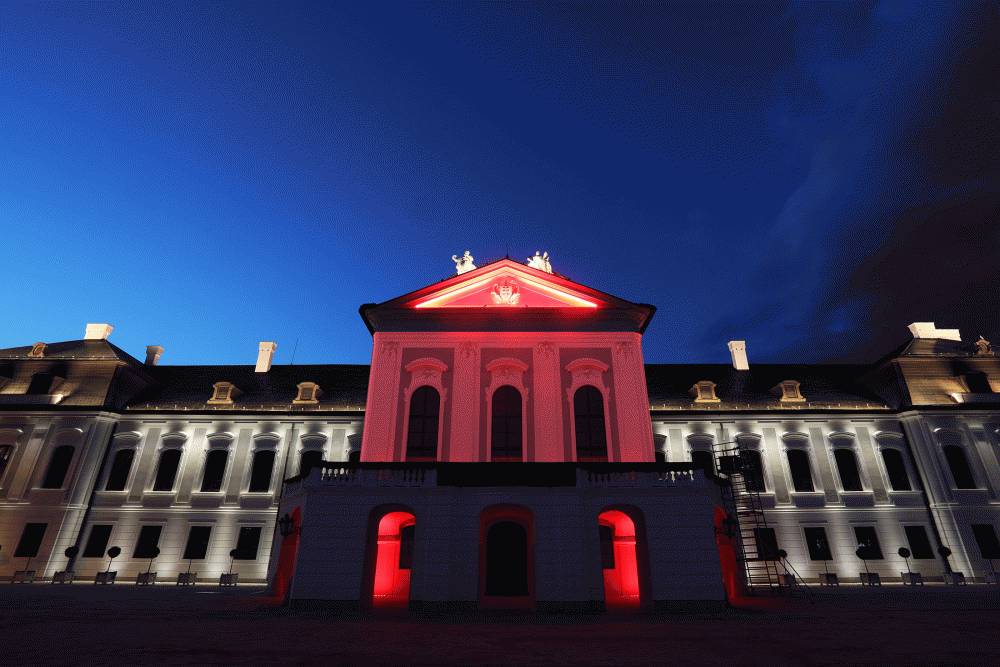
247,543
819,548
868,543
920,546
31,540
767,543
986,538
97,542
146,545
197,543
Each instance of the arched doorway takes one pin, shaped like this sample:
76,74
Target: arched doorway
506,565
286,557
619,561
393,560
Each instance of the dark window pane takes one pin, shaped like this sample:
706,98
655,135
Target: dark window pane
505,433
406,536
215,470
920,546
986,538
97,542
41,383
659,447
896,470
868,541
166,472
661,457
149,538
978,383
819,548
260,471
5,454
588,419
959,465
607,535
798,464
120,468
354,457
58,467
847,466
422,426
704,460
247,543
506,559
309,459
753,470
197,542
767,543
31,540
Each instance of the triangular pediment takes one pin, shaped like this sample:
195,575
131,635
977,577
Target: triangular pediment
506,286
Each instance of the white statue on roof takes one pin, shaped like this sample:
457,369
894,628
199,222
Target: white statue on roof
464,263
540,261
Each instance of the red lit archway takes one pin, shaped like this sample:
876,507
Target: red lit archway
392,555
620,561
725,540
506,558
286,557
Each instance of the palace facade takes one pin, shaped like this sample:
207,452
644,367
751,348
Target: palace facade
507,447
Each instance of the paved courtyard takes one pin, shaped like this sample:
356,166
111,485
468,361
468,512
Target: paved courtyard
83,624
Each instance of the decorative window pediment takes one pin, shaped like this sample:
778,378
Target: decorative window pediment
506,371
789,391
703,391
37,350
223,393
426,371
309,393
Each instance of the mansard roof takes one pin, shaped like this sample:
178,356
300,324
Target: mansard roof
76,350
344,387
544,302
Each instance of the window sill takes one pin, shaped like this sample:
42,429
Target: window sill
906,498
857,498
808,498
971,496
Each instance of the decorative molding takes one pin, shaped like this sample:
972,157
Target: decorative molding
426,371
468,350
545,349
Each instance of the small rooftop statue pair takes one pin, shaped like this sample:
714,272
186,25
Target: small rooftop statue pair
466,262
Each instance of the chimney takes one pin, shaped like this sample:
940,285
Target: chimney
738,351
153,354
98,331
928,330
265,355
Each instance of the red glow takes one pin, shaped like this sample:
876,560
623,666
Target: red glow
727,556
621,583
392,584
286,558
535,292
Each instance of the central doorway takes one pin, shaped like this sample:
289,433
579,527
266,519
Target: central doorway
506,558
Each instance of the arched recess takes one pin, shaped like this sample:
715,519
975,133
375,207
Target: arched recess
287,557
389,557
624,558
506,557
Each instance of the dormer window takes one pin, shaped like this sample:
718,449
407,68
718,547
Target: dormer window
37,351
223,393
43,384
704,392
309,393
789,391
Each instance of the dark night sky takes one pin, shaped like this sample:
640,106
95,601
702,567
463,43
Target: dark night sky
809,177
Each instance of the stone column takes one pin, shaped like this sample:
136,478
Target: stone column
867,451
635,430
547,404
378,443
464,396
822,457
773,451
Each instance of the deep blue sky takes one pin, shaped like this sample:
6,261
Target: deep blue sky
208,175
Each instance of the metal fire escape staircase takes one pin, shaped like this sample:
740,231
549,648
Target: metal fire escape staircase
742,502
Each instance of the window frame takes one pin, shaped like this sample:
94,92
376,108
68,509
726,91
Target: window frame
239,538
522,423
407,423
84,553
848,444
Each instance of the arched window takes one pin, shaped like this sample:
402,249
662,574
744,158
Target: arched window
847,466
166,471
393,555
62,456
215,470
753,470
505,430
121,466
6,452
588,419
619,559
959,465
704,459
309,459
422,426
798,465
260,470
895,468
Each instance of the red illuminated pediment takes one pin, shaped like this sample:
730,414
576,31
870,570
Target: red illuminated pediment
506,287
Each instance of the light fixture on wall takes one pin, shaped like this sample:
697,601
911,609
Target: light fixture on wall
286,526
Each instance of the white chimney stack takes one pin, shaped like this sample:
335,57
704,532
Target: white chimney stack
153,354
738,351
928,330
98,331
265,355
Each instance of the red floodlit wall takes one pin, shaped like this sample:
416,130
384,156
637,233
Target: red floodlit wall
621,583
391,588
466,367
727,556
287,557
